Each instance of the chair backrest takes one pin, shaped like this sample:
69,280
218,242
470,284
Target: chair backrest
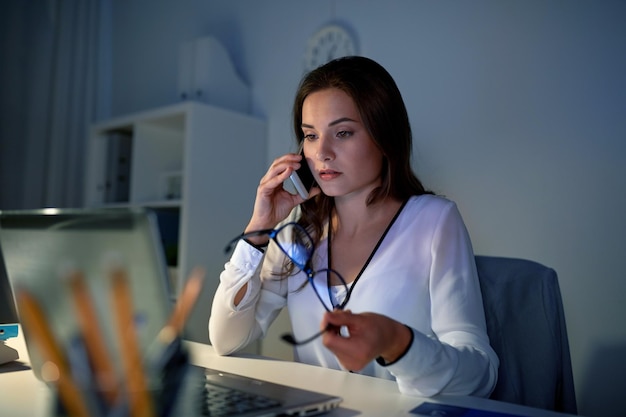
526,328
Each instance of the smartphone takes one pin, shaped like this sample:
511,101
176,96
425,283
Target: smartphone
302,179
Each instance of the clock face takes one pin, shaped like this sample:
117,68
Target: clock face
330,42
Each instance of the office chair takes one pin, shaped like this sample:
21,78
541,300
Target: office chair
526,328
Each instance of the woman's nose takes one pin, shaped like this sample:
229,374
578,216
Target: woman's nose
324,150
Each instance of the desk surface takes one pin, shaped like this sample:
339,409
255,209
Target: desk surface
22,394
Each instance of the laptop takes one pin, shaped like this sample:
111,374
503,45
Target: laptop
8,315
8,318
40,246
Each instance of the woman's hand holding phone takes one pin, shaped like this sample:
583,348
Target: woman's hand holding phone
273,202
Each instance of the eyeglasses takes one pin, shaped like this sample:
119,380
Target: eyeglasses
297,244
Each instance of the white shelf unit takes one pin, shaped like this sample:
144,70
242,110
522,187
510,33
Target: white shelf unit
219,156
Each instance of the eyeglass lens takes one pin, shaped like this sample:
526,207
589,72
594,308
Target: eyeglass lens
296,243
328,285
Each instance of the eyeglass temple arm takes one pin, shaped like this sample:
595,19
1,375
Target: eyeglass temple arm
261,232
289,338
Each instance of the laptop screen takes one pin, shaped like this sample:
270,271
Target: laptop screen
8,315
41,246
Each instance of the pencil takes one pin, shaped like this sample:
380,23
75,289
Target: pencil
93,337
35,324
140,401
186,300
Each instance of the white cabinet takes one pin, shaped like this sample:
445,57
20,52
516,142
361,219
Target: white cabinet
198,162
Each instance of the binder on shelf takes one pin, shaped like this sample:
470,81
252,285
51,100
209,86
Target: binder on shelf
117,180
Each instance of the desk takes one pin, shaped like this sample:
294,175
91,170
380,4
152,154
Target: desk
23,395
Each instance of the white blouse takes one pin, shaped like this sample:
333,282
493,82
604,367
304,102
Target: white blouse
423,274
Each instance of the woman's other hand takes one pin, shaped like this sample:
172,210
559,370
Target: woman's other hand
364,337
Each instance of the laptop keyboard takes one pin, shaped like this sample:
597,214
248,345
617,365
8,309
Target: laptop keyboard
221,401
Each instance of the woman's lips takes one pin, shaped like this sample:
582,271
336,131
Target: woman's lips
328,174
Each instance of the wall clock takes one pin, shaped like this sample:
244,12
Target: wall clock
329,42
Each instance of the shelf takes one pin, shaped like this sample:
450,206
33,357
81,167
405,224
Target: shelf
197,161
152,204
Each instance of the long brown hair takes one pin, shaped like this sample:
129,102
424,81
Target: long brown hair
384,115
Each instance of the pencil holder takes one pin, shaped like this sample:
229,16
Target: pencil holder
105,346
167,392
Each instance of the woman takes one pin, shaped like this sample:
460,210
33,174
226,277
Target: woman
396,293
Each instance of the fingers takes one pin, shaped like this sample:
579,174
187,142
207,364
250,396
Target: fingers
278,172
288,162
273,203
343,335
367,337
337,318
344,339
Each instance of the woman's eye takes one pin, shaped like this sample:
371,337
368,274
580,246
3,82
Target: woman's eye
309,136
344,134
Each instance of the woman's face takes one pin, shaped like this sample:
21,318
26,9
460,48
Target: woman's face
340,152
